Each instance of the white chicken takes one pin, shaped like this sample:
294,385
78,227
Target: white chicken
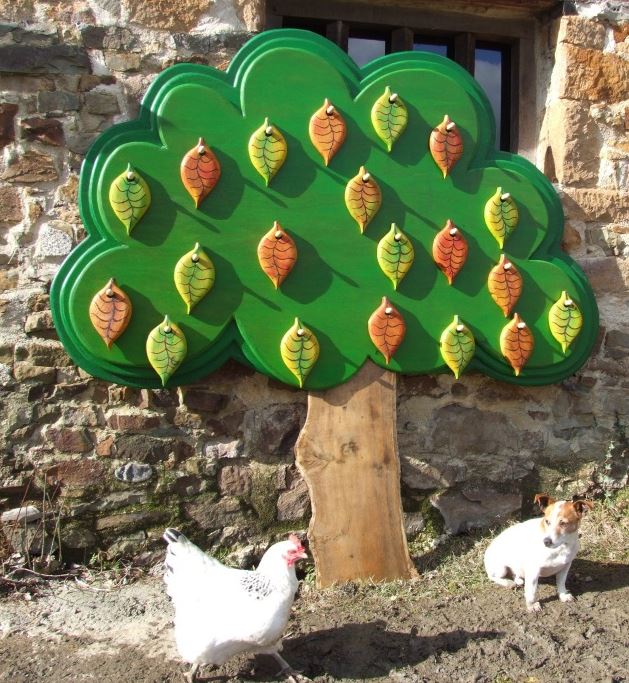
221,612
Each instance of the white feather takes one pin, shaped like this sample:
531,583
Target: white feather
221,612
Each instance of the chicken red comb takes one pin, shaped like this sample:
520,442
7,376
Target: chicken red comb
297,541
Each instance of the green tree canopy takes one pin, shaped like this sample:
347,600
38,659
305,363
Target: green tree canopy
142,221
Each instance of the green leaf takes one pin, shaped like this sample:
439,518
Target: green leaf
395,255
389,117
194,276
565,320
166,347
267,150
457,346
130,197
501,215
300,350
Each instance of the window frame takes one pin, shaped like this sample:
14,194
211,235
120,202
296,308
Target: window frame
515,36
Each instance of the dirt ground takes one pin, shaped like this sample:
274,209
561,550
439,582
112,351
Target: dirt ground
449,625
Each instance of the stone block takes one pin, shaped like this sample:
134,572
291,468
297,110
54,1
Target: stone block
102,102
25,372
586,74
271,431
70,440
606,273
7,125
149,449
39,322
52,59
130,521
589,204
10,206
45,353
23,514
209,514
435,472
582,31
76,476
204,401
53,242
57,101
47,131
166,15
234,480
294,504
31,167
575,141
9,279
132,422
77,537
475,508
129,61
93,37
134,472
105,447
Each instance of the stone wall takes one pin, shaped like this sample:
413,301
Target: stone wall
110,466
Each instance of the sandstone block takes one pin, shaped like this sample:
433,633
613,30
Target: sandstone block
592,75
10,206
606,273
25,372
166,15
209,514
130,520
575,141
582,31
129,61
588,204
45,353
76,474
31,167
39,322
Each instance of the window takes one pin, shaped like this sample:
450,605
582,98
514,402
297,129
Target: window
497,52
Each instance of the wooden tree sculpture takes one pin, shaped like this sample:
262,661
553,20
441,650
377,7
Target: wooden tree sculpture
329,226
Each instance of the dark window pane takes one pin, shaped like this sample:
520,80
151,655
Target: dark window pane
363,50
488,71
437,48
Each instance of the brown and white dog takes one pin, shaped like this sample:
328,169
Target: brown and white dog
538,547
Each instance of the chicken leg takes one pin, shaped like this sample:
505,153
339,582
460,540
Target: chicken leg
287,670
191,676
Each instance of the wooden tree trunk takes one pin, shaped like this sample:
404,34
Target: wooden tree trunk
347,453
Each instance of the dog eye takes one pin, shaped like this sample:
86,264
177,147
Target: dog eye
562,523
547,522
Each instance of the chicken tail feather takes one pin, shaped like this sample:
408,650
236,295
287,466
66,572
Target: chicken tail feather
173,535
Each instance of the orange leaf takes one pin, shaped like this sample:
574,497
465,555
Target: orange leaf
200,171
516,343
449,250
505,284
446,145
277,254
386,328
327,131
110,312
362,198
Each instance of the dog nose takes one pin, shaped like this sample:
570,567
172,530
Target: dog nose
548,541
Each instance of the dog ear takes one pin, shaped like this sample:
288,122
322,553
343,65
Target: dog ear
582,506
543,501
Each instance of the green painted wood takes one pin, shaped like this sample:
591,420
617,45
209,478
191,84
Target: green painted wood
336,284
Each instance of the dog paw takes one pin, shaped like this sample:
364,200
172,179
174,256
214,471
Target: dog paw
566,597
519,581
533,607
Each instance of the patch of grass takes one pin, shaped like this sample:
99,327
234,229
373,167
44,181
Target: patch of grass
605,530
